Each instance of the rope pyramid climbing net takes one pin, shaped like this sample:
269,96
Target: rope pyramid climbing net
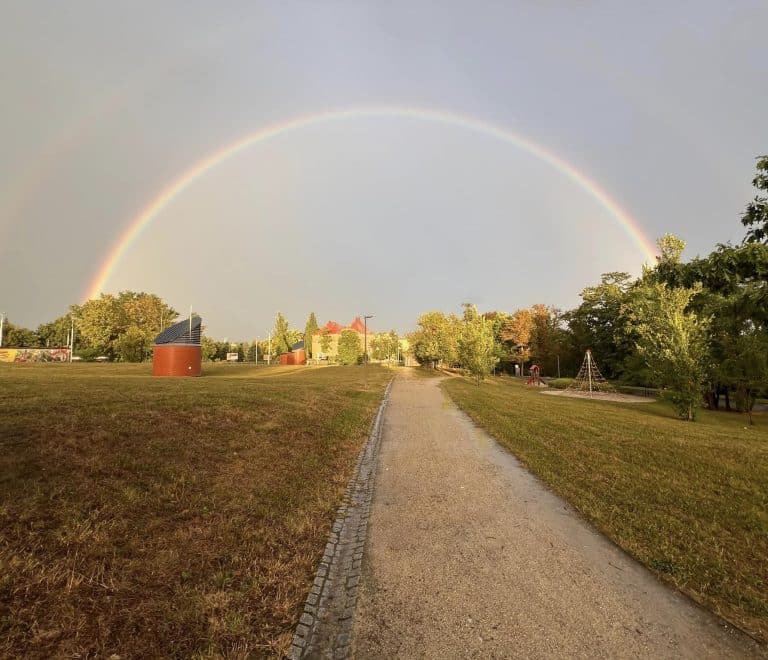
589,379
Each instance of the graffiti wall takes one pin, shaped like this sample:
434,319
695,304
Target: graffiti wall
34,354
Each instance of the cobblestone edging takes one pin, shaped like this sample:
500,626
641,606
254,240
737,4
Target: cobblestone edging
325,627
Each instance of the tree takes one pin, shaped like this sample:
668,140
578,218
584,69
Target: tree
350,347
378,347
280,336
56,333
208,348
132,345
734,295
673,342
756,215
309,330
476,345
498,321
252,351
435,340
325,341
517,332
392,343
384,345
746,369
18,337
547,338
598,323
102,321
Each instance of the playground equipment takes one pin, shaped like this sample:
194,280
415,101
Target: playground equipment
589,379
535,377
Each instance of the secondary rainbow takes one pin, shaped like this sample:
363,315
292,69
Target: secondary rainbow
176,187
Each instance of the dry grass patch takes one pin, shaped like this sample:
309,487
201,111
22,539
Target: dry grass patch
689,500
169,517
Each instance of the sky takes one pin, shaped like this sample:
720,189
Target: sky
384,210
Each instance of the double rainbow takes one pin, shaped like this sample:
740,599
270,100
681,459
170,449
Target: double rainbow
181,183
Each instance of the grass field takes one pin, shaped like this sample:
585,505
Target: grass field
689,500
149,517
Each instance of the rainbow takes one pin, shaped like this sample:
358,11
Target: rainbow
180,184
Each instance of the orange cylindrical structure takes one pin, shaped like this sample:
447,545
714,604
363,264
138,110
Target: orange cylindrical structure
176,360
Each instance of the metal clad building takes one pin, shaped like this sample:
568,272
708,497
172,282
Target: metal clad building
177,350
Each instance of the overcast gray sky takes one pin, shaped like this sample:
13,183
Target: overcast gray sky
104,104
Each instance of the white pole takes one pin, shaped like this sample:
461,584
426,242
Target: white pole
589,369
190,324
2,323
269,350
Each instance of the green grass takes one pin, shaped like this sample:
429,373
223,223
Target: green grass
689,500
150,517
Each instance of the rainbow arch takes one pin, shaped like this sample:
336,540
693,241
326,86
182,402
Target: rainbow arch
181,183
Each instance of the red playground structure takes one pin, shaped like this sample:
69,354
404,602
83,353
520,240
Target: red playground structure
535,377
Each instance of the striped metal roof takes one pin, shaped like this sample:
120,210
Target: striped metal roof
179,333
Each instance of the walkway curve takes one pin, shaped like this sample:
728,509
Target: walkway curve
468,555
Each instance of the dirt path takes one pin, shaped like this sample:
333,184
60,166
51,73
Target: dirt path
469,556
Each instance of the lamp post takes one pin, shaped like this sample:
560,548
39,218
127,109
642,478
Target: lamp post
365,338
365,350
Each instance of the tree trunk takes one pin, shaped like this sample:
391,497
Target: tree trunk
727,402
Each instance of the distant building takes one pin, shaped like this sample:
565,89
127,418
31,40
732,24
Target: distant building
297,355
333,330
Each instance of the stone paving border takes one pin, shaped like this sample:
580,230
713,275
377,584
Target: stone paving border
325,627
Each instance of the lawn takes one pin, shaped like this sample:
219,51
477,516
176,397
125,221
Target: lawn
689,500
148,517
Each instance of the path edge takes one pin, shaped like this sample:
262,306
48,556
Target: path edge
330,605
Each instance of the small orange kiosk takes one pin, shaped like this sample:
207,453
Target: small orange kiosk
176,351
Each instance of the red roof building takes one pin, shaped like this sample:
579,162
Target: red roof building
335,329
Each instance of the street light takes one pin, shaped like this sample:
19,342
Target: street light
365,338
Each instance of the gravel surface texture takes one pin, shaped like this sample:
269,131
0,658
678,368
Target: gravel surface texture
468,555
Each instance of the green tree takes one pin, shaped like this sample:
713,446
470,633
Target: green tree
476,345
378,347
208,348
673,342
746,369
132,345
56,333
101,322
309,330
16,336
435,340
281,340
755,218
350,347
384,345
734,295
252,352
325,341
599,324
498,321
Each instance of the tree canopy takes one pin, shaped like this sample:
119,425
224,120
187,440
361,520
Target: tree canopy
755,217
350,347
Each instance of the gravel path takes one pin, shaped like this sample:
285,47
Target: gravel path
469,556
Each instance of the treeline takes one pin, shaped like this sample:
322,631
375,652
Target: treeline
123,327
119,327
698,329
